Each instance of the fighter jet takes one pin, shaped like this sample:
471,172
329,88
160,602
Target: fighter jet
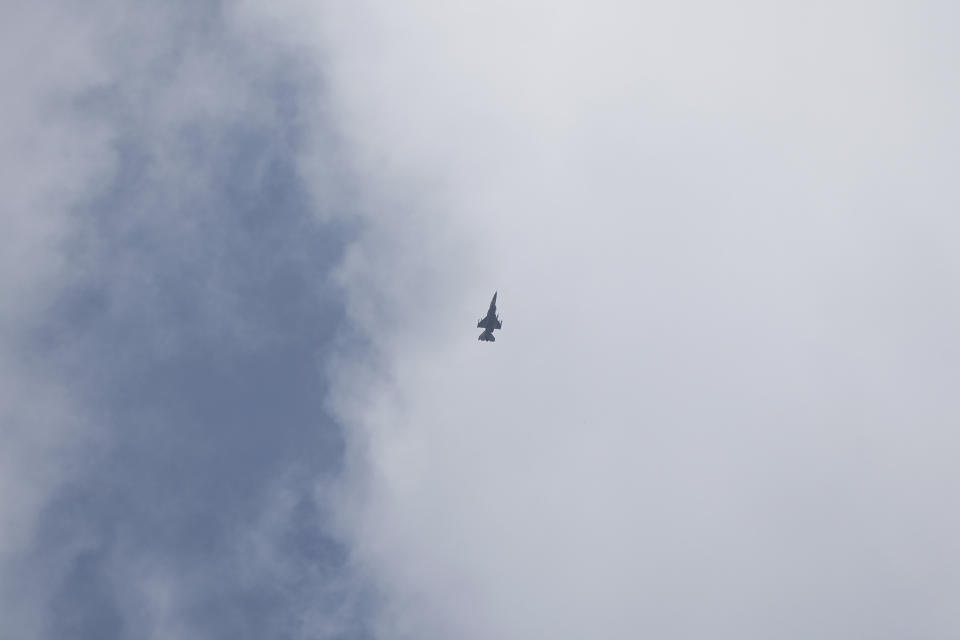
490,321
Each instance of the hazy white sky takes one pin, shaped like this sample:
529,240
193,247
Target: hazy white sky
722,401
247,244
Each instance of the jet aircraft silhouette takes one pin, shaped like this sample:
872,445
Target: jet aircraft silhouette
490,321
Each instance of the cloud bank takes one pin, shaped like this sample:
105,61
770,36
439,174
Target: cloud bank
167,309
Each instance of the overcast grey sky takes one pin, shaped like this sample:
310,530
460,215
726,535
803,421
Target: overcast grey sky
246,243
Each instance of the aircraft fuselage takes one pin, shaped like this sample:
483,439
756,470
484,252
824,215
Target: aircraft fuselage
489,322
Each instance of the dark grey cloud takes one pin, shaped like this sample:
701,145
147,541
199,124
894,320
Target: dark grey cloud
189,321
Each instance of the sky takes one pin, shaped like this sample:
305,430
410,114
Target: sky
245,245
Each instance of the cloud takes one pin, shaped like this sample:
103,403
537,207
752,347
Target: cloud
720,404
167,313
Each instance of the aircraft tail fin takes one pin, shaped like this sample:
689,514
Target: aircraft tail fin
487,336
